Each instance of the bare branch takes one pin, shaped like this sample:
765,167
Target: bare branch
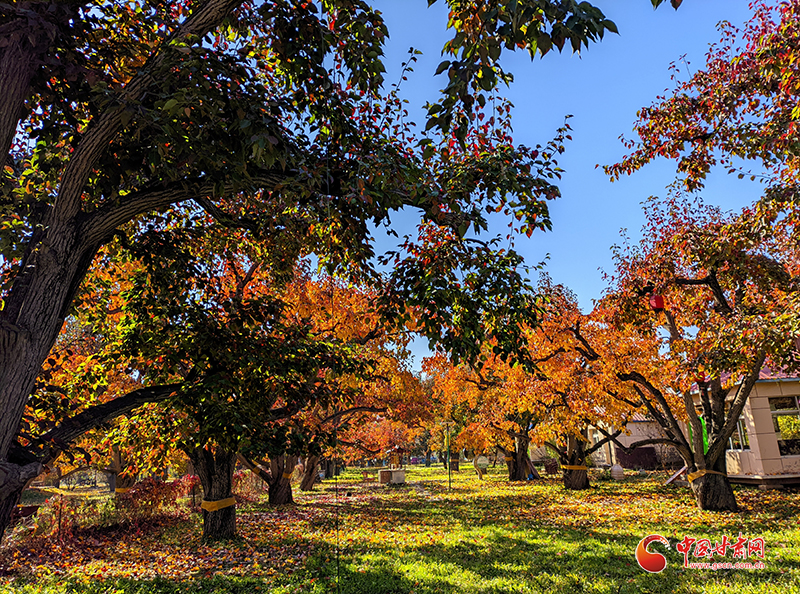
587,350
225,219
717,447
712,283
103,223
358,446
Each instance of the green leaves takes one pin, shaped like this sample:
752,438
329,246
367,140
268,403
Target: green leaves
482,32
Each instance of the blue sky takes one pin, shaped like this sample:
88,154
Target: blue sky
602,88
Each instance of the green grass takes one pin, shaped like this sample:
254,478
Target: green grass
480,537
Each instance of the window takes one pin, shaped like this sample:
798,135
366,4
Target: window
786,421
739,439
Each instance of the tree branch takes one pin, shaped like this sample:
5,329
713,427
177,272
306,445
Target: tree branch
604,441
351,411
256,469
225,219
358,446
712,283
99,414
101,224
717,448
664,417
587,351
102,130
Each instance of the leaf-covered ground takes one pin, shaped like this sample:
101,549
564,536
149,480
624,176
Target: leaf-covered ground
483,536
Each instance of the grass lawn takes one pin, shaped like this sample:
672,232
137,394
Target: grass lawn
481,536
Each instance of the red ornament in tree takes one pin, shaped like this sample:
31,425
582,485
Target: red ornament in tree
656,302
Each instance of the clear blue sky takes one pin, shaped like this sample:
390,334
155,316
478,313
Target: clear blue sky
602,88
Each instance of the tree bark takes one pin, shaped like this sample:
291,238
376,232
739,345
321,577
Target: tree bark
60,252
713,492
575,455
215,469
13,479
519,463
310,473
280,482
327,467
121,477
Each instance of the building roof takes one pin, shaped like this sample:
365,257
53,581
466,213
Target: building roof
768,374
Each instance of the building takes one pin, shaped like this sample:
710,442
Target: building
764,448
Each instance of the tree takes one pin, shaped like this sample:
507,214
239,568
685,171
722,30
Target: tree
207,314
488,408
553,400
725,293
733,278
741,106
112,112
567,387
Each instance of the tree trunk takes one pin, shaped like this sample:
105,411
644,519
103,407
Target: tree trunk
120,476
713,492
280,483
427,458
65,240
326,465
576,480
310,473
519,463
53,478
575,455
215,470
13,479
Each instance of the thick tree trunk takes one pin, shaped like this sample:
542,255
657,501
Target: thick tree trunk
575,479
215,469
65,241
427,458
519,463
713,491
310,473
280,483
13,479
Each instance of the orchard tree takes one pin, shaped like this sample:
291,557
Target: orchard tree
742,106
708,299
728,282
573,397
206,313
488,408
552,399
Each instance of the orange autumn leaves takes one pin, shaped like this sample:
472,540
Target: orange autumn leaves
571,387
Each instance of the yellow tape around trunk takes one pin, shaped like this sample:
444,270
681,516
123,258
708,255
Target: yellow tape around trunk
122,490
693,476
509,458
288,475
574,468
213,506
